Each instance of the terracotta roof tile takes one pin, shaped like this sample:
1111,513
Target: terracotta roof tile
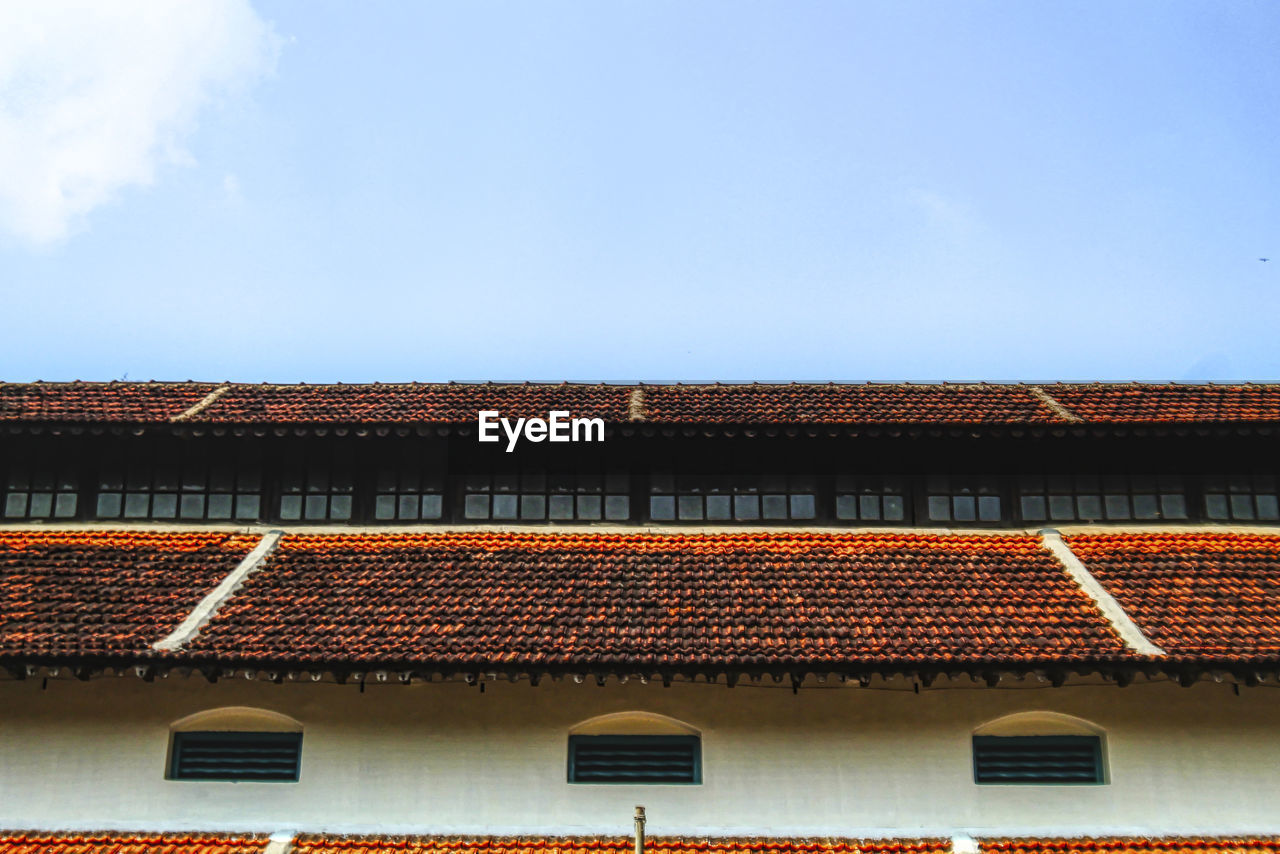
794,403
415,402
177,843
846,404
99,402
90,593
1147,403
603,845
1135,845
128,843
1204,595
723,602
652,600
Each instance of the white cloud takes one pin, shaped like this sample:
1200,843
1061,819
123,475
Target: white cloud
95,96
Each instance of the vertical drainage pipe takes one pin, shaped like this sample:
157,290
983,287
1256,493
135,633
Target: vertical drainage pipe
639,830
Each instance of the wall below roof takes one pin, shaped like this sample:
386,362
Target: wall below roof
445,758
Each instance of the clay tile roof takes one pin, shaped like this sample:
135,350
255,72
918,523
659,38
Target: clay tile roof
124,402
541,601
1210,596
1135,845
176,843
722,404
413,403
91,593
846,404
604,845
720,601
1147,403
127,843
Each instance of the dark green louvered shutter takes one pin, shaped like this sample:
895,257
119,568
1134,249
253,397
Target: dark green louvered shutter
270,757
1037,759
635,759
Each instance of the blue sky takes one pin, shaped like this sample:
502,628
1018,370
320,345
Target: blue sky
661,190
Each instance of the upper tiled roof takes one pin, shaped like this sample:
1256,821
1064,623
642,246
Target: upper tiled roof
98,593
128,843
763,404
846,404
412,403
1208,596
653,601
99,402
1136,403
599,845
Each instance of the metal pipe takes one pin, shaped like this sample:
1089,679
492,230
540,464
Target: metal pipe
639,830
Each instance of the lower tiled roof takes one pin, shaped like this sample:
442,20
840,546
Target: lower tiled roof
1204,596
95,593
128,843
606,845
144,843
1135,845
543,601
640,601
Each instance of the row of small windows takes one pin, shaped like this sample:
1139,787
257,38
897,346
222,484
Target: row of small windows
326,490
633,759
537,497
733,498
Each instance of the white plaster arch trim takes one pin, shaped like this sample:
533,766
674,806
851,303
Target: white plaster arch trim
1039,722
633,723
236,719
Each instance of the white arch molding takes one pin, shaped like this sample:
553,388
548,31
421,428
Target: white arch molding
1039,722
236,719
633,723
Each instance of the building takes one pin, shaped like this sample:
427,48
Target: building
1007,619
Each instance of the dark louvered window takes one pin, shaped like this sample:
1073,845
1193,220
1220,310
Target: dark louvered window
635,759
40,492
270,757
1037,759
872,499
963,499
1242,498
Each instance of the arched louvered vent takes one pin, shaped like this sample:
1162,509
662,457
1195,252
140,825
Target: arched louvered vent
1037,759
236,756
635,759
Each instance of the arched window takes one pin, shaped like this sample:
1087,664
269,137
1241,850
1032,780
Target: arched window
1038,748
235,744
637,748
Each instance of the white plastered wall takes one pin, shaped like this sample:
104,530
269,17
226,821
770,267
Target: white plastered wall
446,758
